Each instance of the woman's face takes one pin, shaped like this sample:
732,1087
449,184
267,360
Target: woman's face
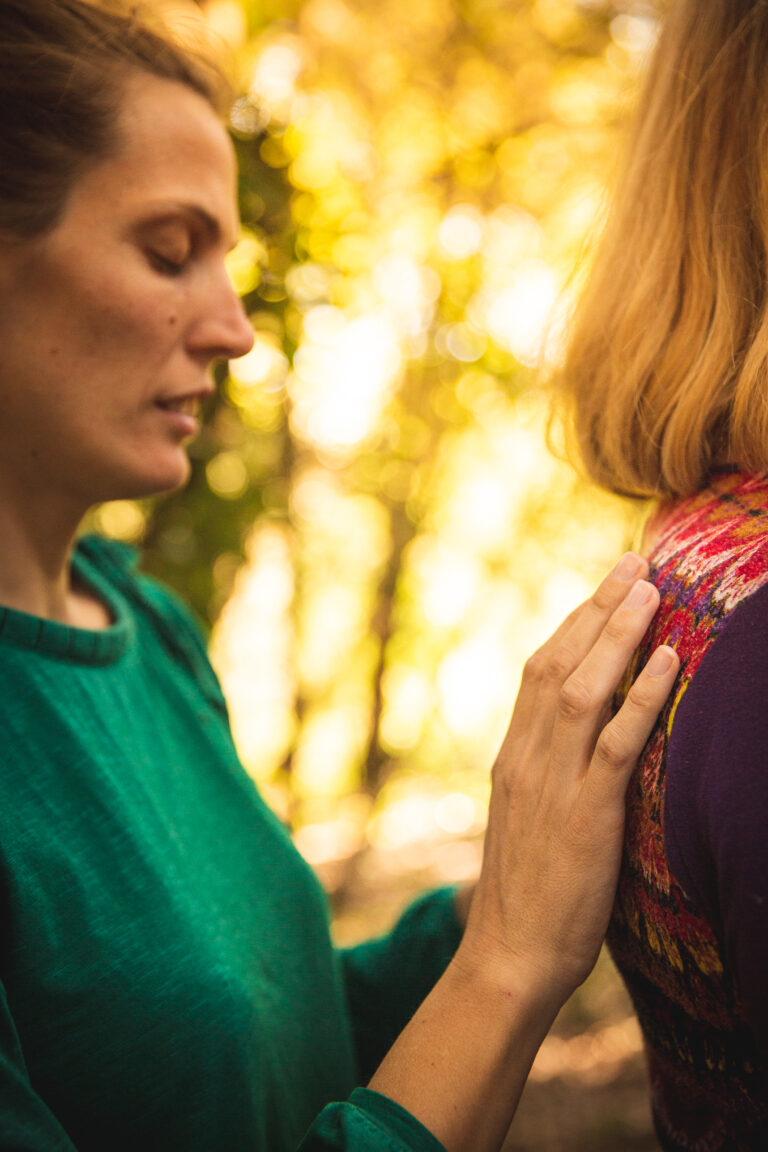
110,322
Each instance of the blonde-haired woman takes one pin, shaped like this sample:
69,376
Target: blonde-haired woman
666,378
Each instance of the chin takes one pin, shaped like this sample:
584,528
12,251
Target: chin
139,484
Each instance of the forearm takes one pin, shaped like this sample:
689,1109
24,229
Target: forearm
461,1063
386,979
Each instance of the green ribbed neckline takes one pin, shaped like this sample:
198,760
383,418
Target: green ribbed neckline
79,645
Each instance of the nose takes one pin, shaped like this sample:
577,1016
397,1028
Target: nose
224,331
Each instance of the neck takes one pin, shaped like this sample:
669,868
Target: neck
38,535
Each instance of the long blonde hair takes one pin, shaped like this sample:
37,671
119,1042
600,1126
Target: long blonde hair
666,373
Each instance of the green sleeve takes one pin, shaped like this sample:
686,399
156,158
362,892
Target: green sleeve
26,1124
387,978
368,1122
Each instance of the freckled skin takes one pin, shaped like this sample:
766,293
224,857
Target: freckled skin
94,331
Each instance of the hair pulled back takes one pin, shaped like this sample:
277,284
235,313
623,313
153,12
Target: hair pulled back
666,373
63,69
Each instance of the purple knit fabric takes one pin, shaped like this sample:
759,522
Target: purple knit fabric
689,931
716,817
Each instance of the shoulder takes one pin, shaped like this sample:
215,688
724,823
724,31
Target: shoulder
717,758
714,545
716,809
727,685
709,556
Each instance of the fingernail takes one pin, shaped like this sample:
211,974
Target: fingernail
660,663
628,567
640,595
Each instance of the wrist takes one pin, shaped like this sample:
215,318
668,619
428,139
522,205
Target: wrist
522,989
462,1061
514,995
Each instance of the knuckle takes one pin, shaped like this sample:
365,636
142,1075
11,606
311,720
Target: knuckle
614,631
508,785
559,665
533,669
612,747
604,598
501,773
498,771
575,699
640,698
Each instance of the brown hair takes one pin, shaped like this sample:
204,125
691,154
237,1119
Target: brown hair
63,66
666,373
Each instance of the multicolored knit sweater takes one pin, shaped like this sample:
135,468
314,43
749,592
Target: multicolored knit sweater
689,931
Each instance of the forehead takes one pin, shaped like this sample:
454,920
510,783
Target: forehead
171,148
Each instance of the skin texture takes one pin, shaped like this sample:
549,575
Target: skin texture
124,303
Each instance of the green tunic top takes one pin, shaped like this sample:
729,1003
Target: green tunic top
168,980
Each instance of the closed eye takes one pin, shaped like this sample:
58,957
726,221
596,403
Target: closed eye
165,265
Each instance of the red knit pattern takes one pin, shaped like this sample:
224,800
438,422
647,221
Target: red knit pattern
710,552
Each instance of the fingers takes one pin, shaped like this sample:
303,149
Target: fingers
556,660
589,622
590,687
569,644
623,739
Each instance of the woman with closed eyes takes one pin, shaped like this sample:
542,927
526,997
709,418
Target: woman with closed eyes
167,979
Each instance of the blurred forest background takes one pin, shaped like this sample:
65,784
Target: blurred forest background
375,531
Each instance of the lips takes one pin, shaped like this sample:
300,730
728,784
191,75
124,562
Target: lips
181,414
185,405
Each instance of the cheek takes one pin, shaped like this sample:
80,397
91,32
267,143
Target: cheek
125,307
131,329
101,325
